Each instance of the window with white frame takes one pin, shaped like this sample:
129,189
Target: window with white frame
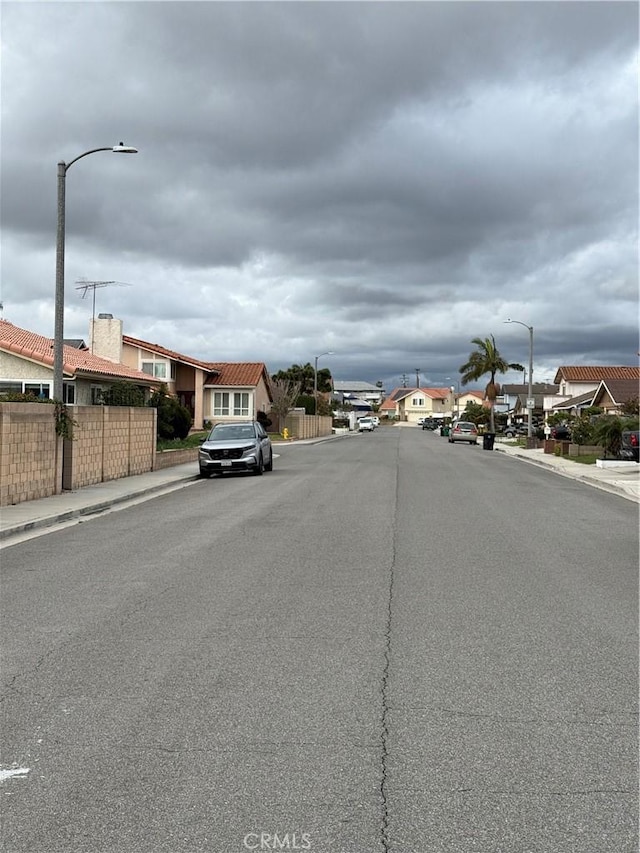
241,404
220,403
41,390
417,401
156,368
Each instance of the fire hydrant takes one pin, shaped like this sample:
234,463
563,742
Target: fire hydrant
285,433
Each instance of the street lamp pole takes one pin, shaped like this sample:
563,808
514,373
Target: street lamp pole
530,396
315,387
58,330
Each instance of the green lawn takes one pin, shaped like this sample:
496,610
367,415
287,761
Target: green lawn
586,459
193,440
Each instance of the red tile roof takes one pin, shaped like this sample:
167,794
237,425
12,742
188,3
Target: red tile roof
228,374
167,353
76,361
387,405
596,374
437,393
238,374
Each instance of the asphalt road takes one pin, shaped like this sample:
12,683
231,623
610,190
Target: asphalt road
390,643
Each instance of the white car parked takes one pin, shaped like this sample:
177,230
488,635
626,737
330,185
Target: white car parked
366,425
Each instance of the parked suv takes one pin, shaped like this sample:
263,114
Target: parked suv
366,425
235,447
561,432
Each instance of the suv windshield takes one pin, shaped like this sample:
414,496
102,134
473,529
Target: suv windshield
231,432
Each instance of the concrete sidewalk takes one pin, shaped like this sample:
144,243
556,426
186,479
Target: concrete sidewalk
31,515
622,479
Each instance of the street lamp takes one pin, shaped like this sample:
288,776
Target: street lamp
58,333
315,387
530,401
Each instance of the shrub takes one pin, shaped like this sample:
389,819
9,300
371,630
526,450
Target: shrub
608,434
123,394
174,420
19,397
582,430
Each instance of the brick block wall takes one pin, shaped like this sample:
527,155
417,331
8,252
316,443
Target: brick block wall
30,452
83,454
142,440
108,442
308,426
115,449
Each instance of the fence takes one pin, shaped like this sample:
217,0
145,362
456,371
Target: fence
308,426
108,442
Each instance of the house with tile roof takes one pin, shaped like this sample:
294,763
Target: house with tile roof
26,366
411,404
211,391
577,386
572,381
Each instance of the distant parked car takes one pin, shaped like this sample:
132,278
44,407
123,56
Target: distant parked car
516,429
463,431
236,447
630,449
366,425
429,423
561,432
376,421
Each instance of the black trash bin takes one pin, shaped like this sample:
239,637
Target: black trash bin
487,440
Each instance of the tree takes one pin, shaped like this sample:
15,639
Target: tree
284,393
303,374
486,359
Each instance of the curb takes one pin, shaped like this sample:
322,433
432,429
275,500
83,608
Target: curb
580,478
94,508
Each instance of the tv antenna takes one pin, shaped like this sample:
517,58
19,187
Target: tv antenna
85,286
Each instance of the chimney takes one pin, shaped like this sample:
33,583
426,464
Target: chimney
105,336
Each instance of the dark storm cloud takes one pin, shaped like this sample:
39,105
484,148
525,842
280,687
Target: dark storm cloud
375,178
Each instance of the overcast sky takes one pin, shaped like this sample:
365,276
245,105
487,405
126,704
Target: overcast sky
383,180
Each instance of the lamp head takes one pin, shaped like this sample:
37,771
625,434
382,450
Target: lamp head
121,148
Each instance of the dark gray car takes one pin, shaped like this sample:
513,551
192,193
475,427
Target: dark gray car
236,447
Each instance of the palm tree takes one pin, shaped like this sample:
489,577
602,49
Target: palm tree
486,359
608,434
